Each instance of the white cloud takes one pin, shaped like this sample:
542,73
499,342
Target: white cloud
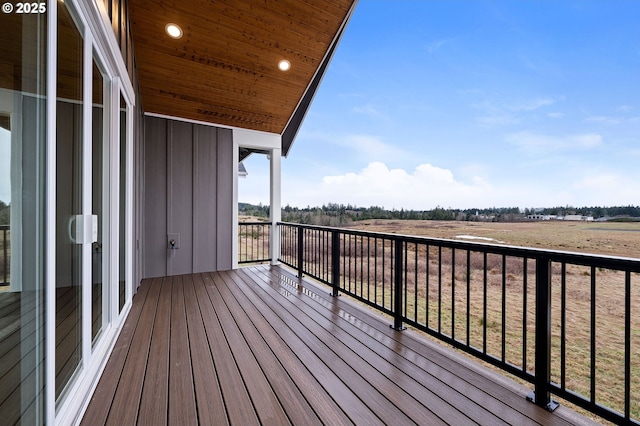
437,44
369,110
496,120
611,120
428,186
503,114
606,189
372,148
604,119
536,143
531,105
425,187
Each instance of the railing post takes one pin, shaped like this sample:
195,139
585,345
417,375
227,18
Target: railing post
300,251
541,395
398,288
335,263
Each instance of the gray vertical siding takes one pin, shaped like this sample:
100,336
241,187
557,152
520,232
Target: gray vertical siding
225,196
155,200
188,171
180,195
205,153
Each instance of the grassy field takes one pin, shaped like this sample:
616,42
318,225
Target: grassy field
608,238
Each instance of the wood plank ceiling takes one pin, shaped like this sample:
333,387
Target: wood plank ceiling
224,69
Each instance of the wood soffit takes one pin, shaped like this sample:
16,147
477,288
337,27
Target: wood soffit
224,69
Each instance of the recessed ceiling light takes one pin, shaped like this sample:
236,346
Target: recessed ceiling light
284,65
173,30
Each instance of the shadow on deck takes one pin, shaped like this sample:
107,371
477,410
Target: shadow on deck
259,346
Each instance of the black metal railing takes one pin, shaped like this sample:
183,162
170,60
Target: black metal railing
567,323
253,242
5,255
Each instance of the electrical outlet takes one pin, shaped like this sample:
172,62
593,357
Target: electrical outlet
173,241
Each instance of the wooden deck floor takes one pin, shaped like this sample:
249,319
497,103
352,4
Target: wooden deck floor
259,346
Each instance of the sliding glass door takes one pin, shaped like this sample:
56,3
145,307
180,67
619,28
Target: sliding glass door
23,112
64,207
70,224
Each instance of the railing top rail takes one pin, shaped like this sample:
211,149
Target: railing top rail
586,259
254,223
4,227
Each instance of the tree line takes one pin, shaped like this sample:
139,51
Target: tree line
5,213
334,214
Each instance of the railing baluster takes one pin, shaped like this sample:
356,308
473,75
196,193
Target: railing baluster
415,284
5,245
384,277
426,284
484,304
525,290
593,335
439,289
503,355
563,326
627,345
398,279
300,251
468,297
335,263
375,269
541,395
453,293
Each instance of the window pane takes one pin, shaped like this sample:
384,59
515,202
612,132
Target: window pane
123,200
22,169
68,200
99,192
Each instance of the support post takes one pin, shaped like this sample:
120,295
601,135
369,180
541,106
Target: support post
398,288
541,395
335,263
300,251
275,208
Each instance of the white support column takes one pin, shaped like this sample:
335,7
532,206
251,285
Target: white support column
275,209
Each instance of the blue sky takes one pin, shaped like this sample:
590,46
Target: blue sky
472,104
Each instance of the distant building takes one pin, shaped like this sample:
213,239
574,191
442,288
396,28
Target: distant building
542,217
578,218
